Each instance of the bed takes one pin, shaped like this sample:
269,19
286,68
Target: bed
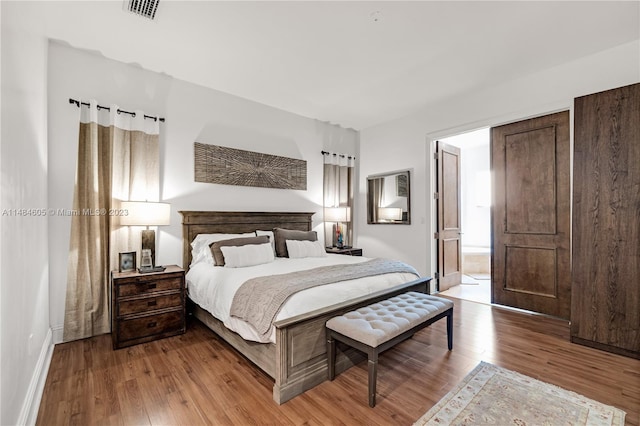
296,357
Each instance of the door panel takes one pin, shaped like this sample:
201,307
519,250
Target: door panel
528,270
448,202
449,191
451,261
530,169
531,216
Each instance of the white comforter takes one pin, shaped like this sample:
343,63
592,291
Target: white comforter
213,288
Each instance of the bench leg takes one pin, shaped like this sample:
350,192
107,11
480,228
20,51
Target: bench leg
450,330
331,357
373,371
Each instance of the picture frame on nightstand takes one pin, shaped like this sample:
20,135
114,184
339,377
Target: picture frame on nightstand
127,261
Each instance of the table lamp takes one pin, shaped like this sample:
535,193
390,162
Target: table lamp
146,213
338,215
390,214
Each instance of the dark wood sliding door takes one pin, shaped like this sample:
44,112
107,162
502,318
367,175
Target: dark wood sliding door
531,257
605,310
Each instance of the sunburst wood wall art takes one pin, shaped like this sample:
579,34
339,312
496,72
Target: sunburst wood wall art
229,166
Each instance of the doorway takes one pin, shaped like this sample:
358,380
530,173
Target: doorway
527,201
475,215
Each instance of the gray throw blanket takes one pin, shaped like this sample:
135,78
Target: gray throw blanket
258,300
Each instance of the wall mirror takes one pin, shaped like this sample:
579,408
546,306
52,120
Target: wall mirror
388,198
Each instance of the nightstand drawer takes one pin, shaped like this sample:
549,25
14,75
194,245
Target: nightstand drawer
150,325
144,285
134,306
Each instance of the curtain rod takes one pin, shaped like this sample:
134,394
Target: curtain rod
334,154
78,103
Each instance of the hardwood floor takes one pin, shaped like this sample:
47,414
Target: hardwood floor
196,378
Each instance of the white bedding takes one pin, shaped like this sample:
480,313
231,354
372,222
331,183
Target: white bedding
213,288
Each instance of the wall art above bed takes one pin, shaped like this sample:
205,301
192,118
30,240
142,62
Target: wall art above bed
229,166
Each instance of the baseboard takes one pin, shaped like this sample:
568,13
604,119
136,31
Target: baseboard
29,411
605,347
58,333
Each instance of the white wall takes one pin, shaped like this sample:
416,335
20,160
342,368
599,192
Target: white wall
407,142
24,294
193,113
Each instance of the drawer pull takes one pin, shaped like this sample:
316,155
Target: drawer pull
151,286
152,303
152,324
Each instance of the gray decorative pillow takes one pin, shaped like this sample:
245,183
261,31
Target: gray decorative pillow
282,235
218,257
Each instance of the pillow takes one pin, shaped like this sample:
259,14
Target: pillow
249,255
282,235
300,249
200,251
218,257
271,237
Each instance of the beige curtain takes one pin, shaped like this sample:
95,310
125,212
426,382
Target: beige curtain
338,192
117,160
376,189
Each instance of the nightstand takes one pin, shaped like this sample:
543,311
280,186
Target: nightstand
348,251
147,307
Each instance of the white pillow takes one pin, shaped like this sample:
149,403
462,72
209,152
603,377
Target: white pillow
249,255
303,248
269,234
200,251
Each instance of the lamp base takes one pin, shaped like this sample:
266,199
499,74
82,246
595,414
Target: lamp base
338,236
149,243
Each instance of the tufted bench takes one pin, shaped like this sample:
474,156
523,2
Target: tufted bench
375,328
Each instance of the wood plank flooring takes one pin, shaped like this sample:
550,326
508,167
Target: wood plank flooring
198,379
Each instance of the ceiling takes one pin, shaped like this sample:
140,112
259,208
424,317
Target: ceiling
357,63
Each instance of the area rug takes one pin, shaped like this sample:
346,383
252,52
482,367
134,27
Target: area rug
491,395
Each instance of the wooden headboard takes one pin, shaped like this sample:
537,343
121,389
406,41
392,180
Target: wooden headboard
208,222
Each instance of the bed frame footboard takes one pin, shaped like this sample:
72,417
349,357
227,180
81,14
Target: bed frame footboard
298,360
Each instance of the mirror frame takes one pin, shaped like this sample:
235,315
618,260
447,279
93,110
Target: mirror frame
370,206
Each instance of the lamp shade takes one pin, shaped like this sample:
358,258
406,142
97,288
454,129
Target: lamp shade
337,214
390,213
144,213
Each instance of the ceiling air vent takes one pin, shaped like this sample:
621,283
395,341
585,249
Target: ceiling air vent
145,8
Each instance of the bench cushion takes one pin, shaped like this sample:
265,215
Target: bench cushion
382,321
